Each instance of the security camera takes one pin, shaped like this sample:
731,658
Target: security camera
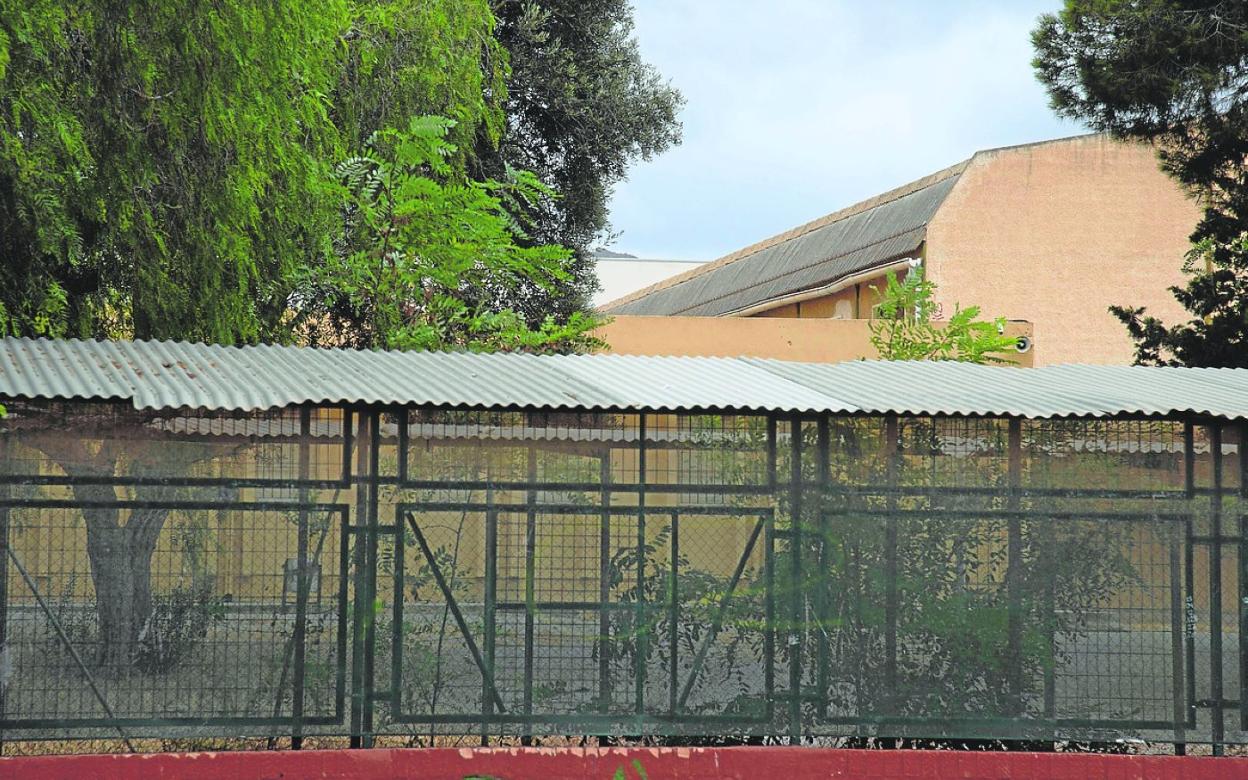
1023,344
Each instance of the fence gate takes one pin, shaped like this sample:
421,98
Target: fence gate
530,618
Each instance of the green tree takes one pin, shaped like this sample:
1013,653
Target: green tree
167,171
1173,74
420,246
904,328
405,58
161,165
582,105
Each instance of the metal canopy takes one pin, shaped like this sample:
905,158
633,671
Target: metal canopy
171,375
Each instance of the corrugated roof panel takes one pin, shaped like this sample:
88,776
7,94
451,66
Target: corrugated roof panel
1055,391
694,383
178,375
169,375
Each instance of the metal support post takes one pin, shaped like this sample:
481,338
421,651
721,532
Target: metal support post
1216,694
604,585
639,690
892,449
1014,573
823,580
796,596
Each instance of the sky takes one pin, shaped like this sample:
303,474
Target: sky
797,108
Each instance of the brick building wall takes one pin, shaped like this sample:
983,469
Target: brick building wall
1054,233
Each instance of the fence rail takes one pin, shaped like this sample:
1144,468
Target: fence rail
369,572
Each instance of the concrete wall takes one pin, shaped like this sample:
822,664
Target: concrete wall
1055,233
784,338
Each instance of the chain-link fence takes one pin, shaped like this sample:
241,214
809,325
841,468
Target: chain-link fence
433,573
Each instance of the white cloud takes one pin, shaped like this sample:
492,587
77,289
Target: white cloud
797,108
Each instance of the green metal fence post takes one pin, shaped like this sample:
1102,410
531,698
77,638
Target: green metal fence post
796,596
1216,694
530,590
1014,572
823,580
491,600
604,584
769,615
1176,650
642,643
1241,552
1189,570
301,584
673,615
360,604
892,448
370,574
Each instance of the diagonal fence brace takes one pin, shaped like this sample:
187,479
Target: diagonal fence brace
60,632
453,604
717,623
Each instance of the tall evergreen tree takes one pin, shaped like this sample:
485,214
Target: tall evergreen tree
582,106
1173,73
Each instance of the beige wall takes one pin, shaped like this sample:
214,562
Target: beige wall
859,298
783,338
1055,233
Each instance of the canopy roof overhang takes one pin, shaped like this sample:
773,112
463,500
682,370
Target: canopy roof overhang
177,375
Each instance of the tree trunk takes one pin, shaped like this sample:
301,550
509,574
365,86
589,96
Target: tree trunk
120,555
121,571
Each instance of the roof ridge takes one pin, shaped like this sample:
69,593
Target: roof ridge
875,201
1046,141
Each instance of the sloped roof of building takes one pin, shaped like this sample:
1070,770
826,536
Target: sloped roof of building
869,235
175,375
864,236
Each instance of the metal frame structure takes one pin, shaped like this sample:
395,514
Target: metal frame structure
200,541
380,536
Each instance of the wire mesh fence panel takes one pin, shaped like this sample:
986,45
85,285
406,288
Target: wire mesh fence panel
603,620
178,631
435,630
435,574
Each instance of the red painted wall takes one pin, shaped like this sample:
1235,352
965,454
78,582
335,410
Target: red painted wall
768,763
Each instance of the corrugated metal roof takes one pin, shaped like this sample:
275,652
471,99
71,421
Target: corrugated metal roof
838,246
173,375
162,375
1052,391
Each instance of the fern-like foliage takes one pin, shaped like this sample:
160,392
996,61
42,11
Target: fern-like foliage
906,328
427,258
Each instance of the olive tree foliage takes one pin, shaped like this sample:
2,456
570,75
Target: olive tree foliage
1173,74
582,106
904,328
